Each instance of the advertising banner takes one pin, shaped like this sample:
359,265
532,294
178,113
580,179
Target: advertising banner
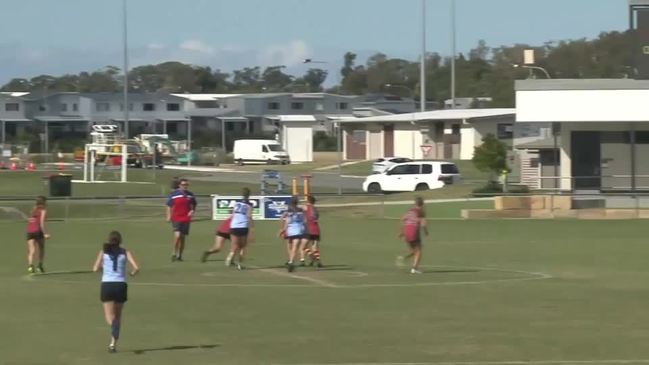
275,206
263,207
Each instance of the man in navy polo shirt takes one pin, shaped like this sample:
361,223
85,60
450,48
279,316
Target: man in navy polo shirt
180,209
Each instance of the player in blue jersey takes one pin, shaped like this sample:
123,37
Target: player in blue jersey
112,259
294,228
240,228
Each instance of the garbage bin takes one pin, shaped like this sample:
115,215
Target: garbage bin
60,185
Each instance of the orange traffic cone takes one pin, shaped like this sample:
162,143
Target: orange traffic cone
31,166
14,166
2,165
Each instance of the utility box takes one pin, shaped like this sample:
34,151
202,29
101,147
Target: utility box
60,185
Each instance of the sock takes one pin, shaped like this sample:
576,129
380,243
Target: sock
316,254
307,251
114,329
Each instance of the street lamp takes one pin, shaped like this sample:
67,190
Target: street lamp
547,75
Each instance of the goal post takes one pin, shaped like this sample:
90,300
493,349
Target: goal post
104,149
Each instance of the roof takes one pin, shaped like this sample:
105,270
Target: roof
445,114
15,94
59,118
293,118
205,97
15,120
581,84
539,144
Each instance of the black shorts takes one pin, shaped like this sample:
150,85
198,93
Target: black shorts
314,237
181,227
296,237
114,291
38,236
239,232
223,234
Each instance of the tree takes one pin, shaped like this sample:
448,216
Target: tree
491,156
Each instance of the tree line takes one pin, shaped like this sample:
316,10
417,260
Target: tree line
483,71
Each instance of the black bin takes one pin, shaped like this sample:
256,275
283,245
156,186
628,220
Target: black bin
61,185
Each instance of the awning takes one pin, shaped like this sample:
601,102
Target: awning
171,120
57,118
293,118
130,120
233,119
15,120
445,114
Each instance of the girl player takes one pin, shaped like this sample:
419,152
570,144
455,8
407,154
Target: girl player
295,231
240,226
112,258
222,234
411,224
313,228
36,236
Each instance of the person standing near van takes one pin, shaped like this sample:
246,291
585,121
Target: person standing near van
36,236
180,210
411,225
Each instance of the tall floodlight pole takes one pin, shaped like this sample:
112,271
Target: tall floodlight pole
125,42
453,52
422,64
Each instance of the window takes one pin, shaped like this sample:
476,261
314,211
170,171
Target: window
130,107
505,131
297,106
273,106
264,149
405,170
275,148
449,168
64,107
426,169
42,108
173,107
75,107
148,107
103,107
455,129
343,106
12,107
229,127
319,107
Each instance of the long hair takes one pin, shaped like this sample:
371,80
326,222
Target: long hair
40,203
294,202
112,247
245,192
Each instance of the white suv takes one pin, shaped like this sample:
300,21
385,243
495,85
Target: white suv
411,176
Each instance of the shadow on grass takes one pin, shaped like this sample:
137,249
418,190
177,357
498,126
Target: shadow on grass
65,272
173,348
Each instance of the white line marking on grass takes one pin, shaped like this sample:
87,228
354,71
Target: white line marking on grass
305,278
507,362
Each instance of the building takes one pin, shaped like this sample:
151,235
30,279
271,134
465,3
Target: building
13,121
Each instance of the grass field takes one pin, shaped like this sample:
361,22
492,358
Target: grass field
493,292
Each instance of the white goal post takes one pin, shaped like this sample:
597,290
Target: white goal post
105,149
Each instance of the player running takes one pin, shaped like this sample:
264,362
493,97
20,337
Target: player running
222,234
411,225
241,226
36,236
180,210
294,228
313,229
112,259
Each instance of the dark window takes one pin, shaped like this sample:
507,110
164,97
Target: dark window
273,106
42,108
505,131
343,106
448,168
400,160
264,149
64,107
426,169
297,106
75,107
12,107
172,128
148,107
229,127
642,137
405,170
173,107
455,129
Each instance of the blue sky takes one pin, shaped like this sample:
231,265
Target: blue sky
59,36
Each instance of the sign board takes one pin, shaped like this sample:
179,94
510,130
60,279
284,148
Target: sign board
425,149
263,207
6,153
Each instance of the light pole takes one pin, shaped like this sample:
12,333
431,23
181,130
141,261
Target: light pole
547,75
422,64
453,52
125,41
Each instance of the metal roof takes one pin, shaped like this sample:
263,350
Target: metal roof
581,84
293,118
445,114
15,94
205,97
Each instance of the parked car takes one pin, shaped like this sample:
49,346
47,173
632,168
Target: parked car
385,163
413,176
259,151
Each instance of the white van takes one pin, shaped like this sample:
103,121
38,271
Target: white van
412,176
259,151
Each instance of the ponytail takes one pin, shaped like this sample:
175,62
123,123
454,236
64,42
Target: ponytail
112,247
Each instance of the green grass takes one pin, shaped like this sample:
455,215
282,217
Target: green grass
473,303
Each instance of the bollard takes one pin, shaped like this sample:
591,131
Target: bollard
294,185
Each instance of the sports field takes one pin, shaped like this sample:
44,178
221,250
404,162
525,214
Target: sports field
493,292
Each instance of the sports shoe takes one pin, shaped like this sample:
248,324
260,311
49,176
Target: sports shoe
204,256
302,263
174,258
228,261
240,267
415,271
319,264
400,262
290,267
112,349
30,269
180,259
40,269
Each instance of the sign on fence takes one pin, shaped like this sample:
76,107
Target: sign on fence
263,207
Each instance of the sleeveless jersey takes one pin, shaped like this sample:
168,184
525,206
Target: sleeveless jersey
295,222
34,222
224,227
111,275
411,225
312,217
240,215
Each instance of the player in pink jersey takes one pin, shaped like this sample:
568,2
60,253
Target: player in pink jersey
411,225
222,234
36,235
313,232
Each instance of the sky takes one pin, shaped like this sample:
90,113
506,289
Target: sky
69,36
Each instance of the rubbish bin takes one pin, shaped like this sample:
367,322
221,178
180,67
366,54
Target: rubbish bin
61,185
